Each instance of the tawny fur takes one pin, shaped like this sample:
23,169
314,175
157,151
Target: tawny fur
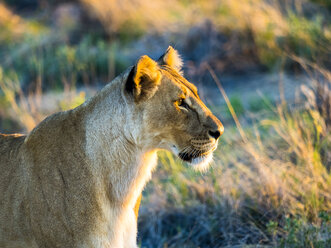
75,179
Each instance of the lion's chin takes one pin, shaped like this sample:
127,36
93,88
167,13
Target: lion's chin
202,163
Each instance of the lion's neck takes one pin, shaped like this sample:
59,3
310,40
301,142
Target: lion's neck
112,149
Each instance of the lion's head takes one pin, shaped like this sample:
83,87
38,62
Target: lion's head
169,111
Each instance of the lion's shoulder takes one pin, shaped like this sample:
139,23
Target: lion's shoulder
9,147
8,141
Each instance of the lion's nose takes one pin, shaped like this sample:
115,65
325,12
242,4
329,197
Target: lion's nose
216,133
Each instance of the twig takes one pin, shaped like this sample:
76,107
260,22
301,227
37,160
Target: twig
228,103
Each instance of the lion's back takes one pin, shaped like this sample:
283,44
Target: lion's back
10,140
9,149
11,186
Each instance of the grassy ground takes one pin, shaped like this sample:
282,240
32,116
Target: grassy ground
268,187
270,181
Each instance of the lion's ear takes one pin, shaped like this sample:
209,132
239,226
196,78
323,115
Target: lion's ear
143,79
172,59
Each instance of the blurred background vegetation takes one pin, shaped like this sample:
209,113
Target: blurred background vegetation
270,183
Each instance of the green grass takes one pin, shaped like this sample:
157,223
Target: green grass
237,105
258,104
57,62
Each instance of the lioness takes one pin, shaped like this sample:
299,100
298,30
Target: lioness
75,179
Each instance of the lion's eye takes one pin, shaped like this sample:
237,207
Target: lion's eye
181,103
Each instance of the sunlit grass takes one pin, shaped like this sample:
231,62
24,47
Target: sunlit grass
13,27
273,27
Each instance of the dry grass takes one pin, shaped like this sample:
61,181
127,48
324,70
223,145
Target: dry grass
157,16
134,15
270,28
10,21
272,189
28,109
13,27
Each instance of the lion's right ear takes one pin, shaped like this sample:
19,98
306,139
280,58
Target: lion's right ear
143,79
172,59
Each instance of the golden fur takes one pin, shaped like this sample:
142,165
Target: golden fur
75,179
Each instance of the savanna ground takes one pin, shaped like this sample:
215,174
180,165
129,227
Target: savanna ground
262,66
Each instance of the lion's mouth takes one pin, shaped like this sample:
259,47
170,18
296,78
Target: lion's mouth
199,159
188,157
192,154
